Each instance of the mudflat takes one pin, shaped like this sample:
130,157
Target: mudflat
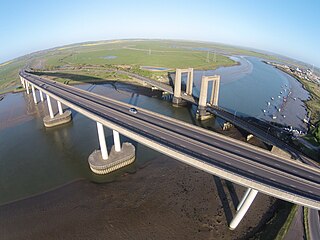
164,199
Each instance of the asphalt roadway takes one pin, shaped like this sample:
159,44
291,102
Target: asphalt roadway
232,156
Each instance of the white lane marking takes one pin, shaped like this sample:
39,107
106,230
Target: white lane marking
205,154
272,179
277,164
164,138
251,171
311,176
294,171
238,151
259,158
228,163
184,146
293,186
310,191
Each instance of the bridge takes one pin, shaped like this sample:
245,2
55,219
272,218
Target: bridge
207,110
233,160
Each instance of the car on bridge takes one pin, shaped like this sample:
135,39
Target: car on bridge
133,110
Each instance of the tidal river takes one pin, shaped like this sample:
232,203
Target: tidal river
34,159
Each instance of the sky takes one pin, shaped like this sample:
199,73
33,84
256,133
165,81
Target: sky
286,27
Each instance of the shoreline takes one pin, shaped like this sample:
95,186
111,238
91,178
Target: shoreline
299,80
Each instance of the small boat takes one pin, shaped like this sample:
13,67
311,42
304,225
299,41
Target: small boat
268,103
295,98
284,116
272,98
280,92
264,110
279,97
279,109
274,117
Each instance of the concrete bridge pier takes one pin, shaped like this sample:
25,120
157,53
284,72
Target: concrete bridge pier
60,108
101,162
22,82
243,207
34,94
202,113
177,97
41,96
56,120
27,87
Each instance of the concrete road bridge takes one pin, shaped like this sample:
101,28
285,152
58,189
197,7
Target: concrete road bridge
236,161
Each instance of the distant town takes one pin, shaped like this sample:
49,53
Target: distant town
303,73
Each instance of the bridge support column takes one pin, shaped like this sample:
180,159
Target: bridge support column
61,118
102,141
116,140
22,82
244,198
189,82
41,95
27,87
202,113
34,94
60,108
50,107
101,163
176,100
177,97
243,207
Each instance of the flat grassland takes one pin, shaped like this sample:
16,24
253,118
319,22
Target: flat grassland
128,54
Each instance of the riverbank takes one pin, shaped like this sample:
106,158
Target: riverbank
179,202
312,106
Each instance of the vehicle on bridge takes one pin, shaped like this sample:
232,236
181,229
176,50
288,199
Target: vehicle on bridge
133,110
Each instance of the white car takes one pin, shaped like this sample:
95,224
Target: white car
133,110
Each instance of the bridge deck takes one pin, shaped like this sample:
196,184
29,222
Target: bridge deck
224,157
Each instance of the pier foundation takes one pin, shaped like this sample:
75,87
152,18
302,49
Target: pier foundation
101,162
56,120
115,161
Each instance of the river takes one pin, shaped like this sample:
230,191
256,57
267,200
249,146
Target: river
34,159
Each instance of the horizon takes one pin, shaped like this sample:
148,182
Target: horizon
244,25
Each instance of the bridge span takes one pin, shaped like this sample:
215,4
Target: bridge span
233,160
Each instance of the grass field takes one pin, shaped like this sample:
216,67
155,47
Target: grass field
134,53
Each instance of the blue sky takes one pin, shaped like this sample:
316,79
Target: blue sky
286,27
